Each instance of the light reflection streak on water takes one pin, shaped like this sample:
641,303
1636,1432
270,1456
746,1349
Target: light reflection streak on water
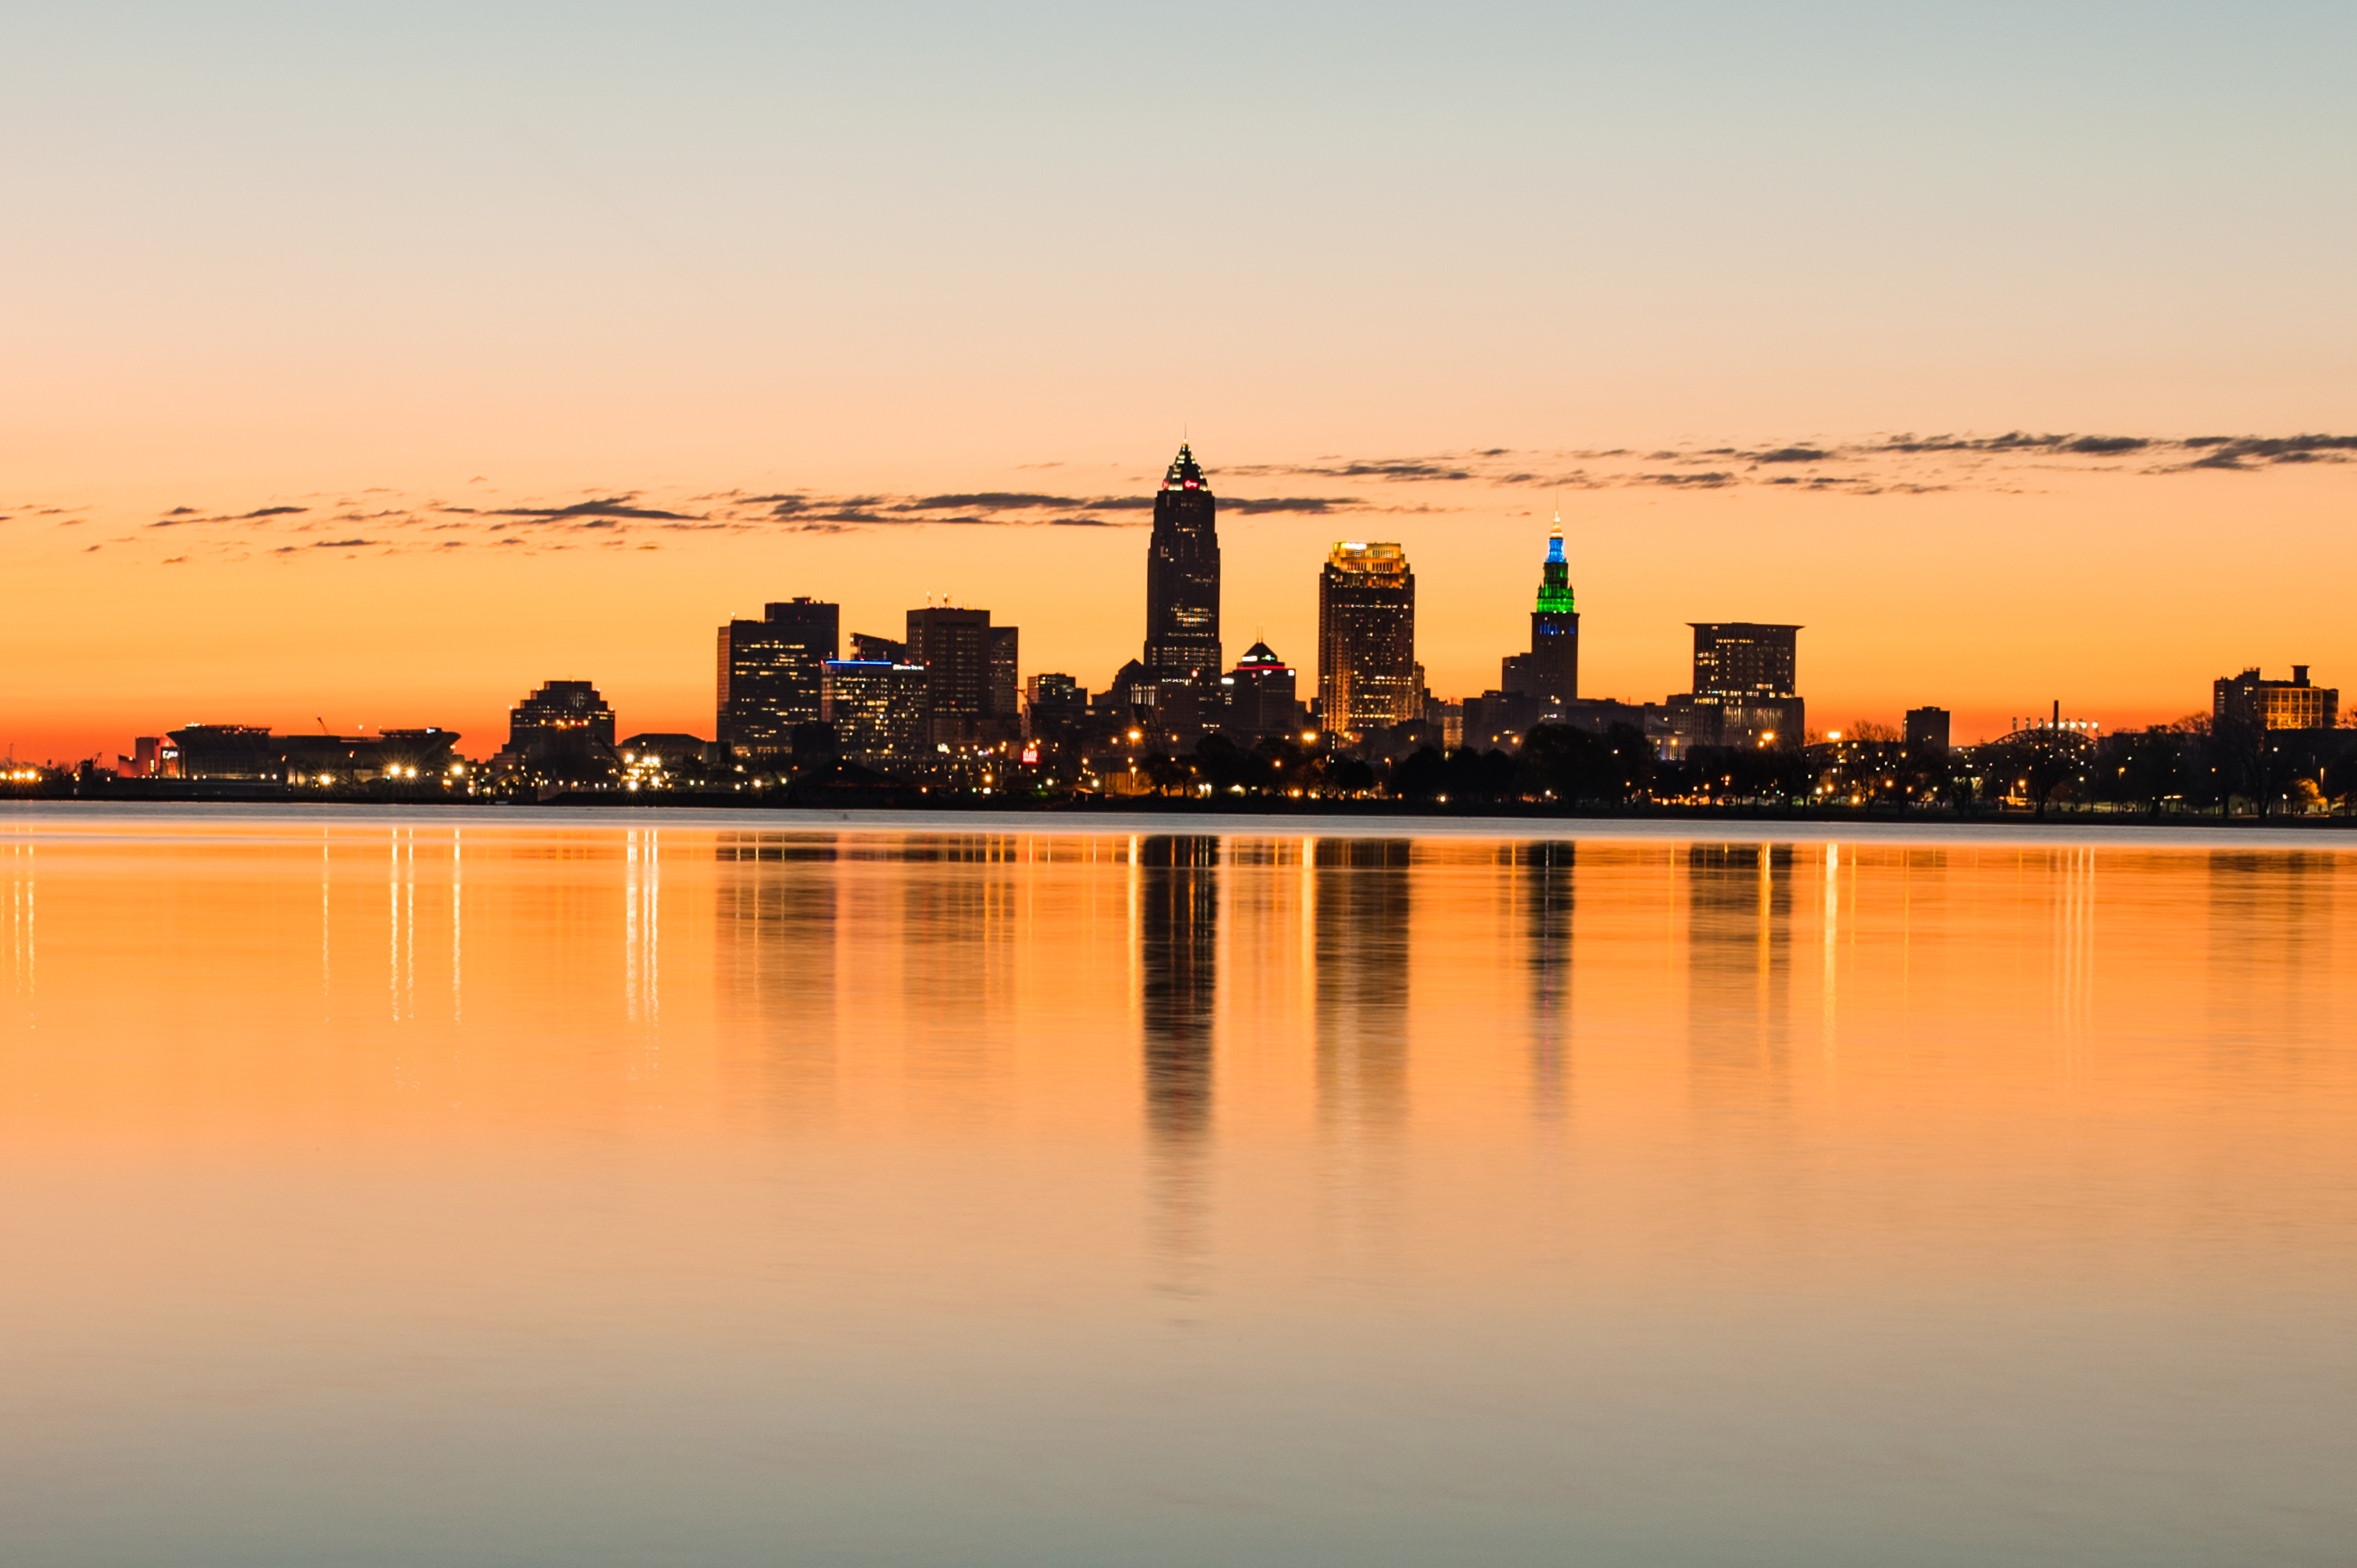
24,954
642,948
457,927
1829,979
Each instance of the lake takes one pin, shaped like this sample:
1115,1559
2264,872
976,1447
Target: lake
624,1189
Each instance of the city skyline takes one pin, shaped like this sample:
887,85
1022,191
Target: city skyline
1460,650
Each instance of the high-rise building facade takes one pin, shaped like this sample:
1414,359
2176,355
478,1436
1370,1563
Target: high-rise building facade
770,674
2296,703
564,709
1745,659
970,670
1182,578
1262,695
878,708
563,731
1550,671
1749,673
1005,684
1366,639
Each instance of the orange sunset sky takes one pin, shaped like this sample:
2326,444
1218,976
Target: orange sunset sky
372,368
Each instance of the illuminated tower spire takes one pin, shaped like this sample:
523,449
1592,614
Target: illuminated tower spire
1554,576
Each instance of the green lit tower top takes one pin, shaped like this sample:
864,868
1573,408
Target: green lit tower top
1554,577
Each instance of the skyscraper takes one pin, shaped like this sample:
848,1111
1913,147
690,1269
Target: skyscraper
1550,671
1006,683
878,708
1182,577
1738,659
970,670
1748,671
1366,637
769,674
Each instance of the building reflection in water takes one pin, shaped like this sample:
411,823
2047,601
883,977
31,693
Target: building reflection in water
1360,915
1177,883
2275,913
1543,873
457,926
1740,969
775,938
957,909
1179,929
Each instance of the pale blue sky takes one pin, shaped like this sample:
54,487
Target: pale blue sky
1327,224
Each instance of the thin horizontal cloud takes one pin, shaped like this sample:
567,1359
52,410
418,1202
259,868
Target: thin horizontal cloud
2249,452
992,501
616,507
1385,468
1318,504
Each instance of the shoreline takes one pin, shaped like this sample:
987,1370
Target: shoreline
61,817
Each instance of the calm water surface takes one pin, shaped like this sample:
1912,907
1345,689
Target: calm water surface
512,1189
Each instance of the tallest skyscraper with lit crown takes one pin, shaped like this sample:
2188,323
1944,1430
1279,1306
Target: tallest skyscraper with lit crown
1182,578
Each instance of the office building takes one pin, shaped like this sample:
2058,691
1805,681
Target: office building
1262,698
1053,702
869,646
1747,672
1927,730
562,733
971,668
1551,669
770,674
1005,682
1738,659
561,708
878,708
1182,578
1366,639
2296,703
